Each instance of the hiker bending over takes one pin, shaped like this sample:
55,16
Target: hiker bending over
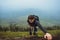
33,22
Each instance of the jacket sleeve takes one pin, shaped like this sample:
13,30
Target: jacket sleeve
39,25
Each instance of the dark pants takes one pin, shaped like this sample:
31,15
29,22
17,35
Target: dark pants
34,30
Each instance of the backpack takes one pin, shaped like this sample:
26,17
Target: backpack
36,17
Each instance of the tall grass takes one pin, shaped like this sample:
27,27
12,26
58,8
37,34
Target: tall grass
23,34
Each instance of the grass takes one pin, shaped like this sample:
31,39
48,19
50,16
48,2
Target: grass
22,34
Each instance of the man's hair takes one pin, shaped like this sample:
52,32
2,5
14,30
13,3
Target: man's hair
31,17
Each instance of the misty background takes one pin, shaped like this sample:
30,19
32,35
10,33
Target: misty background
17,11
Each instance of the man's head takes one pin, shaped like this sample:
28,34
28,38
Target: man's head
31,18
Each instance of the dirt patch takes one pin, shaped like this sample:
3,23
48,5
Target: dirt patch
56,37
23,38
29,38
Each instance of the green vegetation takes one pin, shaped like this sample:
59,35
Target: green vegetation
26,34
18,31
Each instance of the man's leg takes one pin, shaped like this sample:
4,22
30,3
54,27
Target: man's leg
35,31
31,30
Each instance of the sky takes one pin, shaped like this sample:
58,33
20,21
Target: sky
23,4
8,7
49,6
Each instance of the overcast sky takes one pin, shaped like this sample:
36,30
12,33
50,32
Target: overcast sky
22,4
17,5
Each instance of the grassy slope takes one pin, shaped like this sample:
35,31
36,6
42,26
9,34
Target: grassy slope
26,34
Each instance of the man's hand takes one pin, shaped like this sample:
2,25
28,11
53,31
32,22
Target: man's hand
48,36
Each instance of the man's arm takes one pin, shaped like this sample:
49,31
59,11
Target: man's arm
47,35
39,25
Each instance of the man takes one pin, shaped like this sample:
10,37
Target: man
33,21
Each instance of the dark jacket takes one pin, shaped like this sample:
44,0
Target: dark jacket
36,23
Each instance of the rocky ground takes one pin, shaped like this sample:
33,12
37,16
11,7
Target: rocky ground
28,38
